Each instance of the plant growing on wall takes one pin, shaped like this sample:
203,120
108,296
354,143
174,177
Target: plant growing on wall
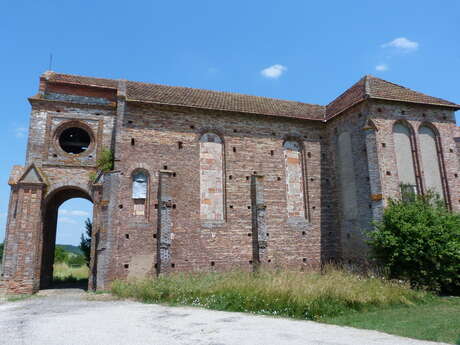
418,240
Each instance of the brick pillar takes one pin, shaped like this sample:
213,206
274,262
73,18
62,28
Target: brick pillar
23,241
165,206
374,172
259,228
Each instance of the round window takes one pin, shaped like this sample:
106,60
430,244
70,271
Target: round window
74,140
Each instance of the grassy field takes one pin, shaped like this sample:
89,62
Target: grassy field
311,296
335,297
64,273
437,320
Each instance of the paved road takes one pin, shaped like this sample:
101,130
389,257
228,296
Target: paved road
67,318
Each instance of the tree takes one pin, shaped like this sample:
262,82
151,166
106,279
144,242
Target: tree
60,255
85,240
418,240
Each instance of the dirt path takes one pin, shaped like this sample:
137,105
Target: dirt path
67,317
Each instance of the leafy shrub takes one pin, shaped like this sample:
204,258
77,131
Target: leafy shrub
60,255
418,240
105,161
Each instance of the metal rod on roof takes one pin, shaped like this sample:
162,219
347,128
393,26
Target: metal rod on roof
51,62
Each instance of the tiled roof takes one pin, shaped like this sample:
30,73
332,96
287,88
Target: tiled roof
367,87
376,88
204,99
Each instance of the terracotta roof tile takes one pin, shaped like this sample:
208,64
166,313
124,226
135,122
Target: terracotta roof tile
366,87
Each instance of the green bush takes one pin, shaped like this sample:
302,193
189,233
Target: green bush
418,240
105,161
60,255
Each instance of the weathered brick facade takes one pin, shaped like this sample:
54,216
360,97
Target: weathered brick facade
207,181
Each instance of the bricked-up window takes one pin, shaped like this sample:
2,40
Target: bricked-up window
211,178
404,148
140,188
294,179
430,150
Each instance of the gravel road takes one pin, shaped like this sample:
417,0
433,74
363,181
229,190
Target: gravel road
67,317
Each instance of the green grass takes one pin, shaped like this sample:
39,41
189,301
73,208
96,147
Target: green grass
437,320
310,296
64,274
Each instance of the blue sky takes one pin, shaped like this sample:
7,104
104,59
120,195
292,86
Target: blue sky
309,51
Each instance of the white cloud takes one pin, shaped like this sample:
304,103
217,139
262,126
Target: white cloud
402,44
273,72
20,132
382,67
66,220
76,213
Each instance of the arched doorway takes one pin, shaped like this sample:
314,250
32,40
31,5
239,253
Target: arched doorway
50,221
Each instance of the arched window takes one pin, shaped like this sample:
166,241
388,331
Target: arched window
211,178
347,180
405,150
295,192
139,192
431,162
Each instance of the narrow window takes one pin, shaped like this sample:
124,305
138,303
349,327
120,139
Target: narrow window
430,156
211,177
140,186
403,145
294,179
347,180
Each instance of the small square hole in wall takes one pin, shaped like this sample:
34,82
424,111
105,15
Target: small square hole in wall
278,178
127,236
250,262
54,155
213,263
456,175
165,167
156,265
133,142
120,206
303,233
126,265
384,145
249,234
309,154
450,150
312,179
247,178
444,117
234,149
403,112
130,122
174,206
174,174
349,262
180,145
154,235
249,207
368,178
379,110
313,207
156,206
173,265
231,206
269,260
304,260
370,205
192,127
235,131
268,235
424,115
272,152
388,173
254,172
273,133
230,177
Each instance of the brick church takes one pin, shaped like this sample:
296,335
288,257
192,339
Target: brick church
212,181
